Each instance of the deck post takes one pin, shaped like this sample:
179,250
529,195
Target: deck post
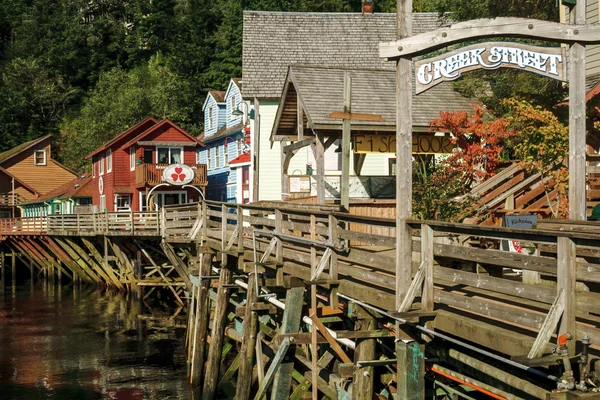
411,370
346,139
577,118
320,160
202,315
565,277
211,378
292,315
244,382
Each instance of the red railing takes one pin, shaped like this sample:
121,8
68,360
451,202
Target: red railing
151,174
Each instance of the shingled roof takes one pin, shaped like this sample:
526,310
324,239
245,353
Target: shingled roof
321,91
275,40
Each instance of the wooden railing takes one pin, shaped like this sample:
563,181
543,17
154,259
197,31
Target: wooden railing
11,199
151,174
492,295
115,224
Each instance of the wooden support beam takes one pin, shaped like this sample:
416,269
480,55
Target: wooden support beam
414,289
319,153
548,327
346,139
566,270
427,261
411,371
298,145
273,368
101,264
216,338
179,265
244,381
365,351
64,257
332,342
92,264
292,315
13,264
404,95
77,259
202,315
359,161
31,254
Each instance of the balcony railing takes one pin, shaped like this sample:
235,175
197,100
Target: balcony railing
11,199
151,174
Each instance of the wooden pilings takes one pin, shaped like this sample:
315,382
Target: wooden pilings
202,316
216,338
247,350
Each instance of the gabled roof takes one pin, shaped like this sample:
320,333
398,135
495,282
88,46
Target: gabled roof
321,92
78,187
142,124
221,133
158,126
25,185
275,40
233,81
8,154
218,95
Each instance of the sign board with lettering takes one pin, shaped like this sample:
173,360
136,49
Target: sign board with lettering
520,222
547,61
421,144
299,184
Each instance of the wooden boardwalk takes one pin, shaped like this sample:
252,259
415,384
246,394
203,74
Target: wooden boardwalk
310,289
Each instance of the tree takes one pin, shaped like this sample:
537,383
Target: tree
541,142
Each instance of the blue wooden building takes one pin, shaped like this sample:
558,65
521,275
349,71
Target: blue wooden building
226,139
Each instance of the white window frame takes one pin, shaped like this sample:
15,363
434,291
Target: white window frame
198,152
208,164
108,161
102,203
240,146
211,117
35,155
132,158
225,155
232,106
123,197
101,165
217,157
169,156
93,168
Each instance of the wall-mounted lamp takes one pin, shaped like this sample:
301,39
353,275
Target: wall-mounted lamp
238,112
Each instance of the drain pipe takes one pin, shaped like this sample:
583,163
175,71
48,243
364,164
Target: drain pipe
567,380
583,364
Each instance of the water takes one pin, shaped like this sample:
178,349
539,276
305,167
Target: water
60,343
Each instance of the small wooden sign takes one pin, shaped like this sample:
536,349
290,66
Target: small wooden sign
547,61
421,144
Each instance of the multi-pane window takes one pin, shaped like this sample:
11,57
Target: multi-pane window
232,106
101,164
39,157
132,158
109,160
169,155
218,157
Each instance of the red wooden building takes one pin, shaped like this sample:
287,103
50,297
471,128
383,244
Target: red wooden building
127,168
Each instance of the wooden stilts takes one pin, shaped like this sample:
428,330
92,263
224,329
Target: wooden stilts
247,351
103,263
2,268
411,371
214,352
294,300
313,307
365,351
202,316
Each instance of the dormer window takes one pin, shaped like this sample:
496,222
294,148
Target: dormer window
211,117
39,157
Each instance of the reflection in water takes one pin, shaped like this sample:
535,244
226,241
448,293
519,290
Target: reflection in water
58,343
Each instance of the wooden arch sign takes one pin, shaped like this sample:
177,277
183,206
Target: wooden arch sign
547,61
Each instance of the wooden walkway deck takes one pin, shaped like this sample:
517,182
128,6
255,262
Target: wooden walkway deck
510,307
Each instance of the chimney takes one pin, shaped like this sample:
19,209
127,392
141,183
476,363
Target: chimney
367,7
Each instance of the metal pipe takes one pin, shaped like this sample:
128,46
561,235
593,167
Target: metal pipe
279,304
452,340
567,381
583,363
473,383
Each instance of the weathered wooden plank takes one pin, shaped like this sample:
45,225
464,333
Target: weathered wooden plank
202,314
548,327
332,342
410,371
483,28
275,363
365,351
290,323
214,352
566,281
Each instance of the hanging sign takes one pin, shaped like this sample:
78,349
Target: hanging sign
421,144
547,61
178,174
